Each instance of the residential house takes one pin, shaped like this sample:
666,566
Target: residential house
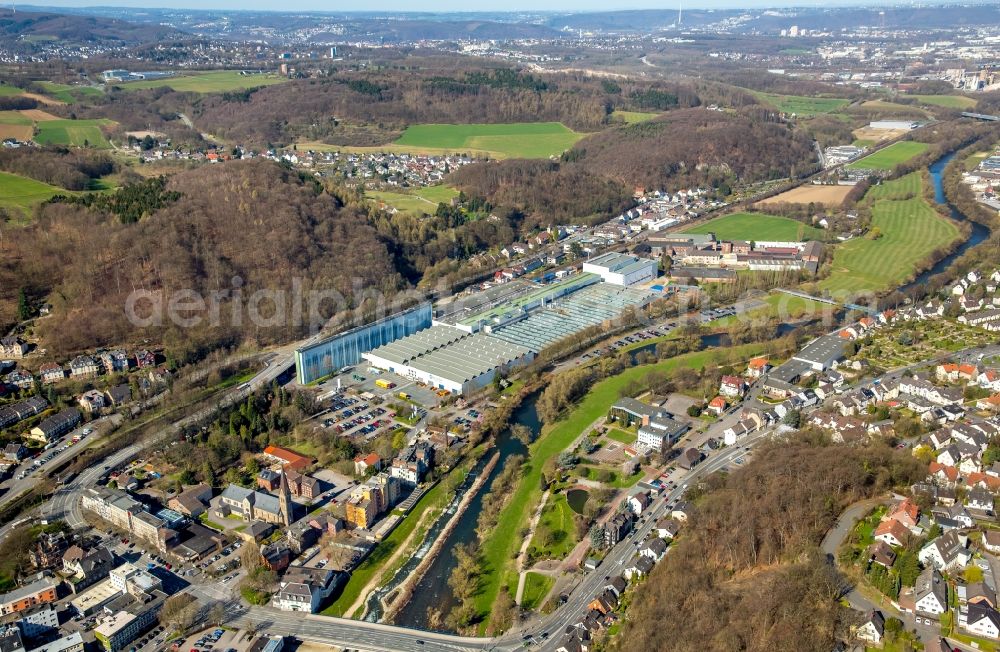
56,425
304,589
114,360
981,620
991,540
880,553
906,512
947,552
12,347
639,501
92,400
872,629
980,500
87,566
617,528
50,373
757,367
21,379
930,593
732,386
638,568
119,395
654,549
690,458
717,405
667,528
682,511
892,533
83,366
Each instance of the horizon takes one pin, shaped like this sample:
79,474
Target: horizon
402,7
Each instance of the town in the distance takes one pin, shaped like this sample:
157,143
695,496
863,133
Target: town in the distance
670,329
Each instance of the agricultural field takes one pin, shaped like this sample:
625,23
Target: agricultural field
77,133
15,125
891,156
801,105
909,231
68,94
516,140
415,200
947,101
8,91
632,117
758,226
47,129
217,81
894,109
21,194
809,193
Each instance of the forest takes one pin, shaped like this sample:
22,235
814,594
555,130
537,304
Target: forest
70,169
547,192
746,573
233,231
688,148
364,107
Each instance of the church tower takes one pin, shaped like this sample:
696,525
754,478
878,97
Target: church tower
285,507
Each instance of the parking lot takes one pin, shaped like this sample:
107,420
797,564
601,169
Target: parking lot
55,447
354,416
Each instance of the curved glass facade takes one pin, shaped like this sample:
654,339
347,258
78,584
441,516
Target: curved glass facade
325,357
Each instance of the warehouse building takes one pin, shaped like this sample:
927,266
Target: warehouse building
449,358
621,269
592,306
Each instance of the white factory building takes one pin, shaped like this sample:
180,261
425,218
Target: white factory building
449,358
621,269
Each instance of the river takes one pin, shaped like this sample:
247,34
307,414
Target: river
978,234
432,590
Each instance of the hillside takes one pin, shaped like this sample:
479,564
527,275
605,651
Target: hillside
695,147
359,108
78,29
746,574
544,190
251,220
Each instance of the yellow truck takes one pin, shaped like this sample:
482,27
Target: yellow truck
384,384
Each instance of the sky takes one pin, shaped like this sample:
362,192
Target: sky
437,5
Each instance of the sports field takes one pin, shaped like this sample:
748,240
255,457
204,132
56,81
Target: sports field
21,193
891,156
216,81
897,189
948,101
514,140
801,105
758,226
632,117
909,231
810,193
